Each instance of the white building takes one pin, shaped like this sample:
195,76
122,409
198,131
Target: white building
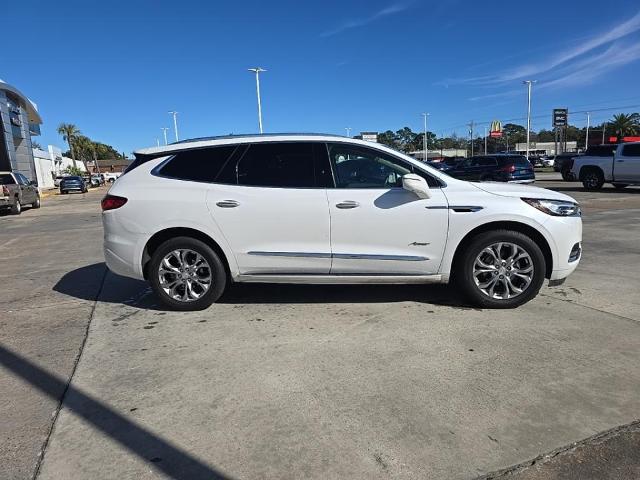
544,148
49,164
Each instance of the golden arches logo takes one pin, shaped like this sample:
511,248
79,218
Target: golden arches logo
496,126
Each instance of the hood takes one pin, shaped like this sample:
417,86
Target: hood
517,190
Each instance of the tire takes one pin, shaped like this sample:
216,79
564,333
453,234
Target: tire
466,270
592,179
567,176
62,192
620,186
203,299
16,208
36,204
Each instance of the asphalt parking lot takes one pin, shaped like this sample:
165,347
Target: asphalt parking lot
311,381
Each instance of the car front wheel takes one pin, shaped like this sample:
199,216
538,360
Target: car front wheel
186,274
593,180
36,204
500,269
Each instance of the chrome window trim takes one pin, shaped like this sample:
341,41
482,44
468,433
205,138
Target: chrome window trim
344,256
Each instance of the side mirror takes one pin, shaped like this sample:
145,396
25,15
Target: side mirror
416,184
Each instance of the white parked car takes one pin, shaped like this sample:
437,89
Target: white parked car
111,176
194,216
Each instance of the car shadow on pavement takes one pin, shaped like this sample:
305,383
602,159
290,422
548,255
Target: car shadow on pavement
84,283
158,452
606,189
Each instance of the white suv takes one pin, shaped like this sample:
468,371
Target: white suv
194,216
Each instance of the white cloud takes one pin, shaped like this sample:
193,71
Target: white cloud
360,22
573,59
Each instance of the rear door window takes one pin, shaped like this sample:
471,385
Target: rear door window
601,150
278,164
200,165
632,150
487,162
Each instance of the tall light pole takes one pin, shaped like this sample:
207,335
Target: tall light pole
586,138
164,131
528,83
604,127
348,129
175,122
471,135
485,140
257,71
157,142
426,140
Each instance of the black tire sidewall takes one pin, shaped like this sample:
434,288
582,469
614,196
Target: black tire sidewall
16,208
218,273
463,270
598,185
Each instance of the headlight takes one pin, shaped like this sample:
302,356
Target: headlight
557,208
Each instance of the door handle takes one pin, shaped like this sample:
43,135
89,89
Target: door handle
227,204
346,204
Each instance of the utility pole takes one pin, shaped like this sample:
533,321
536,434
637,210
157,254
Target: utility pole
164,131
485,140
425,143
348,129
257,71
586,138
471,135
604,127
528,83
157,142
175,123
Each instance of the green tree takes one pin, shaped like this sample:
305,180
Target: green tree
515,133
69,132
73,171
388,138
625,124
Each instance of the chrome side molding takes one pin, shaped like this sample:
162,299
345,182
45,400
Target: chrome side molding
346,256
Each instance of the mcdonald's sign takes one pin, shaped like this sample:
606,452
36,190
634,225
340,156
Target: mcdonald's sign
496,129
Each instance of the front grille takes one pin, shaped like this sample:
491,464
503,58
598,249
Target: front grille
576,251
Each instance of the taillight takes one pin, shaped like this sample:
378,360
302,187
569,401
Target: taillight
508,168
111,202
5,191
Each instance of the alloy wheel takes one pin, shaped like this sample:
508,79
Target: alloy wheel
503,270
184,275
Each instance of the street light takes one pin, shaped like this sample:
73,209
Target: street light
164,131
426,140
586,138
528,83
485,140
257,71
348,129
175,122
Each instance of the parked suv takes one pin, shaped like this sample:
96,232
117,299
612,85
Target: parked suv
194,216
499,167
73,183
16,190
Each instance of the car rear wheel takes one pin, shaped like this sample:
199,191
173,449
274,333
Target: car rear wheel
36,204
592,179
16,208
186,274
500,269
567,176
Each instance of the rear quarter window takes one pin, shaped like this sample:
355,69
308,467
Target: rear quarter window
201,165
6,179
631,150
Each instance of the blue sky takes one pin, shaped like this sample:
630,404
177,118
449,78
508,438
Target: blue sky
115,68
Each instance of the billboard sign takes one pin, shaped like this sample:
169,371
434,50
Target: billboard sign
496,129
560,117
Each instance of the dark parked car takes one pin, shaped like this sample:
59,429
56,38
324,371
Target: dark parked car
561,161
446,164
73,183
498,168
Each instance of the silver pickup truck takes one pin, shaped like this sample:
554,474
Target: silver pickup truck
16,190
615,164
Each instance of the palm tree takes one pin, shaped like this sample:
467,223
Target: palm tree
69,133
625,124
